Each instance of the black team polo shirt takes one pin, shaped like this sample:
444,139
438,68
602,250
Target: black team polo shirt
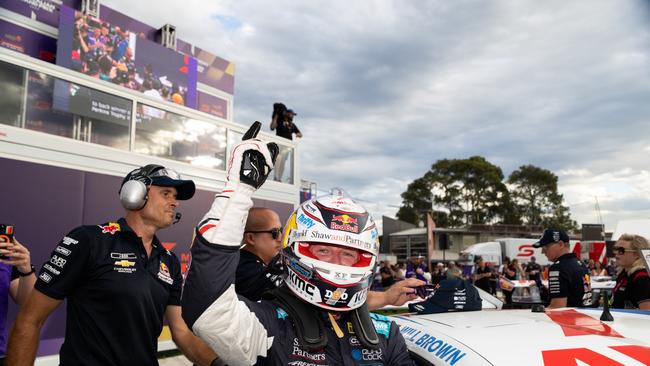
568,277
116,296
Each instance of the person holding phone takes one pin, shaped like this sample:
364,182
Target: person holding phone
17,279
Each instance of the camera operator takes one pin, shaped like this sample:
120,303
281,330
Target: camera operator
282,122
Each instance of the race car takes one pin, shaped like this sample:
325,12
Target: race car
559,337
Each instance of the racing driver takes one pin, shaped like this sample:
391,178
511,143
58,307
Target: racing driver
319,316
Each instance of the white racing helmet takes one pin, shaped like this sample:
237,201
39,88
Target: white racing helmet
330,220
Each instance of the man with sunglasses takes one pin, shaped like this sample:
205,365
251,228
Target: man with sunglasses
632,290
568,277
119,282
262,242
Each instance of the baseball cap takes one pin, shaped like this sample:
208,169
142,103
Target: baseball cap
450,295
290,111
551,236
165,177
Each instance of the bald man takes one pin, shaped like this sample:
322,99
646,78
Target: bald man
259,272
262,242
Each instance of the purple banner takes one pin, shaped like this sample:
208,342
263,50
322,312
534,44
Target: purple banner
23,40
213,105
46,11
112,53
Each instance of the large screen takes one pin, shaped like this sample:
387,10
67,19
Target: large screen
107,52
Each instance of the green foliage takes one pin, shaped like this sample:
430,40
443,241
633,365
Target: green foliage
469,191
537,200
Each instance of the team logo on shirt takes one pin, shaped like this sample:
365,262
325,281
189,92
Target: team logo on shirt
124,263
111,228
163,273
46,277
68,241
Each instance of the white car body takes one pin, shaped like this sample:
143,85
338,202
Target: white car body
557,337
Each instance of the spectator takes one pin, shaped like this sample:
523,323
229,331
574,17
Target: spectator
568,277
598,270
400,271
17,279
632,288
534,272
416,268
450,269
119,281
438,273
611,267
510,273
387,274
481,276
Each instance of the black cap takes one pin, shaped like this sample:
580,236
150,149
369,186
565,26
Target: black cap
290,111
551,236
163,177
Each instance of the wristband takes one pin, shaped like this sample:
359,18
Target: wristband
26,274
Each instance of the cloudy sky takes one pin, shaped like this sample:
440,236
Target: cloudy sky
385,88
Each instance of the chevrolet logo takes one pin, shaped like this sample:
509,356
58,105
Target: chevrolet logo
124,263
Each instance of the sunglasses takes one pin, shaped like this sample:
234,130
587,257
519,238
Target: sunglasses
621,250
275,232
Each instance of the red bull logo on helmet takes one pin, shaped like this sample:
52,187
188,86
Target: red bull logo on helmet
345,223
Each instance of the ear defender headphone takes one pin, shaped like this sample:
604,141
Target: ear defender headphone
133,193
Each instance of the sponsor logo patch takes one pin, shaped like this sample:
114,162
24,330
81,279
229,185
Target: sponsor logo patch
124,263
58,261
307,358
303,287
69,241
163,273
309,223
123,256
61,250
111,228
46,277
345,223
51,269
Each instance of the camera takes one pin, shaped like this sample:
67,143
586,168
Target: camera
6,236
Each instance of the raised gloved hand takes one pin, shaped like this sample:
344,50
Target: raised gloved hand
251,160
250,163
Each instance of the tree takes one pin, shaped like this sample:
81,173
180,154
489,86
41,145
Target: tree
534,192
416,200
460,191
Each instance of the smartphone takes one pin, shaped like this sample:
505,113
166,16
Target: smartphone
6,235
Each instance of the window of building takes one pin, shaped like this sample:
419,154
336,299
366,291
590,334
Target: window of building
170,135
13,91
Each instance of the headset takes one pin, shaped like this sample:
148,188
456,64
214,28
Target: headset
133,193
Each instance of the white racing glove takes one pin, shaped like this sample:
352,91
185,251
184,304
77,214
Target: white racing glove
249,165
